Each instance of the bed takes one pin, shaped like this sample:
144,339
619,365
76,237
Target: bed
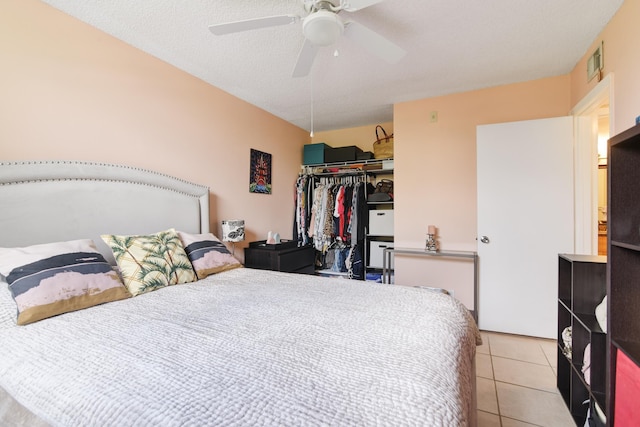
238,347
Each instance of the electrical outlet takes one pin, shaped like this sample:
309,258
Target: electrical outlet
433,117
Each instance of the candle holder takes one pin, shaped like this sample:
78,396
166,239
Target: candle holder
432,245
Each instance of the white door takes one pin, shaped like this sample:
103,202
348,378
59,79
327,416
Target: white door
525,219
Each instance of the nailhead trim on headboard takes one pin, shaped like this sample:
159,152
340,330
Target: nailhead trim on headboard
187,187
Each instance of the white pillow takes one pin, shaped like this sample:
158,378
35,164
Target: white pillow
601,314
586,364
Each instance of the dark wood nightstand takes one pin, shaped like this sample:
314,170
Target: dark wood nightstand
287,258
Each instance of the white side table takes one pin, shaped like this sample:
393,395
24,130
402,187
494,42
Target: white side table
388,252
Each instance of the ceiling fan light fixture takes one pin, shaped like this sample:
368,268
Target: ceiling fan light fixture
322,28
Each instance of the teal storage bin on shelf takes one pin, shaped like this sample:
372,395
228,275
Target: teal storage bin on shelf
315,153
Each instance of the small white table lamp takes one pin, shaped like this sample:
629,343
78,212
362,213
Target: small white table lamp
233,231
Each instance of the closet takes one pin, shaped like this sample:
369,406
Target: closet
332,214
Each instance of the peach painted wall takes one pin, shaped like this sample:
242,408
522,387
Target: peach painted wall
435,171
362,137
621,58
70,91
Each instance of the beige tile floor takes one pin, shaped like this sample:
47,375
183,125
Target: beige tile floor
516,383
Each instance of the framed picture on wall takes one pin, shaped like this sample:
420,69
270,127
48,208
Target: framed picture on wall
260,172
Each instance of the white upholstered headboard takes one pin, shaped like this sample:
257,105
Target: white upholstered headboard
49,201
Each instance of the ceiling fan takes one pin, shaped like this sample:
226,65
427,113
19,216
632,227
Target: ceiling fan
322,26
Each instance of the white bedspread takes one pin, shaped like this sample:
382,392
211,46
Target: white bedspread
247,347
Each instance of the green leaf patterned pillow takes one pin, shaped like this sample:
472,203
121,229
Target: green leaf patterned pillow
150,262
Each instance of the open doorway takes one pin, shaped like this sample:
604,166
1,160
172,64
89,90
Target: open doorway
603,137
593,117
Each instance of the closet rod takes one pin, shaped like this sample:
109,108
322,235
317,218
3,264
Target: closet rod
339,174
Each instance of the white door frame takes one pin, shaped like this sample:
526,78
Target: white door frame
585,114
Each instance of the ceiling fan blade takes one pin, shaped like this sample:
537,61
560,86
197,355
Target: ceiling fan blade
374,42
252,24
305,59
353,5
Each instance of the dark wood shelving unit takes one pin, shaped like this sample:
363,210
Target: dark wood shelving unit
623,274
581,288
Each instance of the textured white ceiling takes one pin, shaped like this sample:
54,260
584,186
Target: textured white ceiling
452,45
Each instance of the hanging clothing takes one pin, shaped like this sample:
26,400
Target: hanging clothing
329,210
303,201
332,214
359,219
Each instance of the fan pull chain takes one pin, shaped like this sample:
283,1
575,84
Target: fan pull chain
311,80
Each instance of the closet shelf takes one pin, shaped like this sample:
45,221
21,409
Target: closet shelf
353,163
358,167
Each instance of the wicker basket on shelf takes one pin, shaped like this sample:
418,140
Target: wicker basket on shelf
383,146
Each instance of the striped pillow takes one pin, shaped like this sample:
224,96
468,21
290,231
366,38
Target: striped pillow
207,254
54,278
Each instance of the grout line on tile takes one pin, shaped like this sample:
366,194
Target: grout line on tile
523,361
546,357
520,421
486,378
493,371
495,388
520,360
497,403
524,386
492,414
